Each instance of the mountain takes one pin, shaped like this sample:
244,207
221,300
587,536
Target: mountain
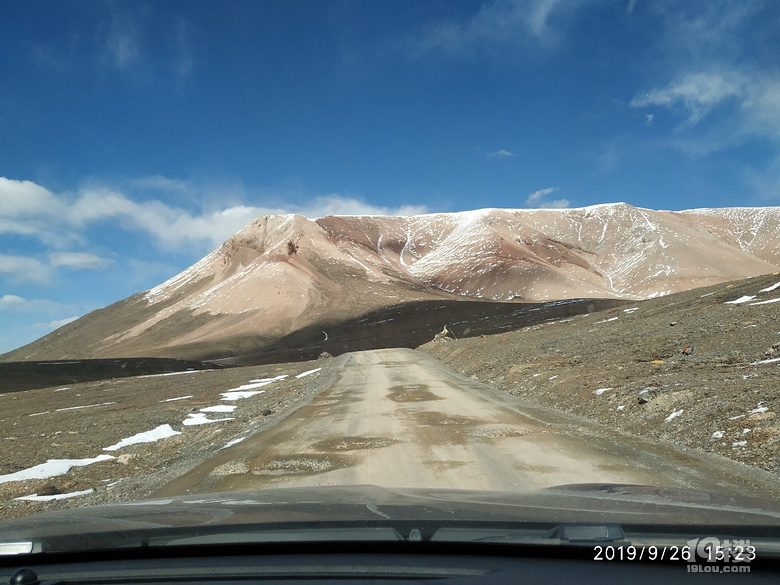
284,273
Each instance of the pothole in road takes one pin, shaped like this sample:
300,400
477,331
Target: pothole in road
353,443
411,393
302,464
439,418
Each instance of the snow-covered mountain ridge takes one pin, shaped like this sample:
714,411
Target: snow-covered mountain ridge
284,272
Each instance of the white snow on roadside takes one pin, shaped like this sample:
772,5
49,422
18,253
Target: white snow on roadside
718,434
621,407
52,468
631,310
601,391
709,294
157,433
264,381
777,300
740,300
770,288
232,395
220,408
61,389
85,406
231,443
172,373
606,320
674,415
177,398
759,410
37,498
736,417
200,418
302,374
739,444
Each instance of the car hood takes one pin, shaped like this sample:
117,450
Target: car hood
626,505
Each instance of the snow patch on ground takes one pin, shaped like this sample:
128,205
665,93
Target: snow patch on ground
171,373
601,391
231,443
52,468
37,498
765,302
200,418
770,288
307,373
157,433
740,300
674,415
219,408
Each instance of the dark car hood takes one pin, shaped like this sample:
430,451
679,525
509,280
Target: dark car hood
105,526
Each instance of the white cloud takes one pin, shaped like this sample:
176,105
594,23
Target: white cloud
500,154
78,260
24,269
338,205
66,217
539,199
11,301
25,199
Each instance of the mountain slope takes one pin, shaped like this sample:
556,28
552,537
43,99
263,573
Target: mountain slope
280,274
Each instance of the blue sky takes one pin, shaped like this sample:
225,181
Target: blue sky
136,136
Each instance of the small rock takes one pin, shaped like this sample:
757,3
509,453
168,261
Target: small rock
267,411
48,490
125,458
673,323
324,355
687,350
647,394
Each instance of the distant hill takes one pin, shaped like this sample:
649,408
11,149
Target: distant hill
284,274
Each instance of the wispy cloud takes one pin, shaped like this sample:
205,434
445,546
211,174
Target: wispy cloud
499,24
183,62
540,199
698,93
721,95
24,269
17,304
500,154
122,39
78,260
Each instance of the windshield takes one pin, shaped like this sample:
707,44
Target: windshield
512,251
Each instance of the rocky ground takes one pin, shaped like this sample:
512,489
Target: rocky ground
78,421
694,368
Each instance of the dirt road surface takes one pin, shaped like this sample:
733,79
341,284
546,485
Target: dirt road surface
400,418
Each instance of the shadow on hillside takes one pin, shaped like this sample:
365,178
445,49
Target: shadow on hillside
412,324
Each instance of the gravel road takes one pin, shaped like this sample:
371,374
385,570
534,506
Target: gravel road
398,417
